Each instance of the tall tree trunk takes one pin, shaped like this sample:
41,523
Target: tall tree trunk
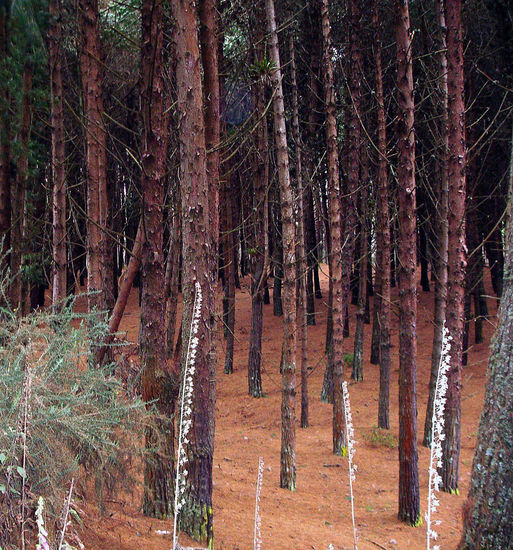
350,199
442,228
456,240
157,383
488,512
311,245
5,138
259,215
336,349
383,242
229,267
96,157
196,515
409,504
18,198
357,373
288,358
277,248
301,240
58,154
207,11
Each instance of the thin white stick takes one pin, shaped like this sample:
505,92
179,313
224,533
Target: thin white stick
66,512
26,391
257,539
350,451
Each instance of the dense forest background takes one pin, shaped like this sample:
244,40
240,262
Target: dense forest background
187,149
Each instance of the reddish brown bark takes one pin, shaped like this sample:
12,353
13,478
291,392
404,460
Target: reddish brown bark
288,357
383,243
441,233
127,281
157,384
300,240
96,158
409,504
229,268
456,241
18,194
196,515
172,279
5,139
207,11
336,348
357,371
58,154
259,213
349,201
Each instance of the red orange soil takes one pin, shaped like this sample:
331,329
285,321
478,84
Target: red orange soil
319,512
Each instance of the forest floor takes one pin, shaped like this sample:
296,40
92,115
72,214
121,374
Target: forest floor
318,513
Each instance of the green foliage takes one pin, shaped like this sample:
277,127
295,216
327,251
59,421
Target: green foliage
348,359
61,418
380,438
263,68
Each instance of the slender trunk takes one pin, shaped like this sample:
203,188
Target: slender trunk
127,281
301,240
227,235
336,349
229,267
207,12
349,201
58,155
383,242
456,240
357,373
258,231
5,139
310,244
96,158
409,505
488,512
442,243
18,198
288,358
376,304
196,514
277,238
172,279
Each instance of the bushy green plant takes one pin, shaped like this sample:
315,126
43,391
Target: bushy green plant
60,415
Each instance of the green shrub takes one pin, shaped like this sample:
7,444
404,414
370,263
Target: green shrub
61,417
380,438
